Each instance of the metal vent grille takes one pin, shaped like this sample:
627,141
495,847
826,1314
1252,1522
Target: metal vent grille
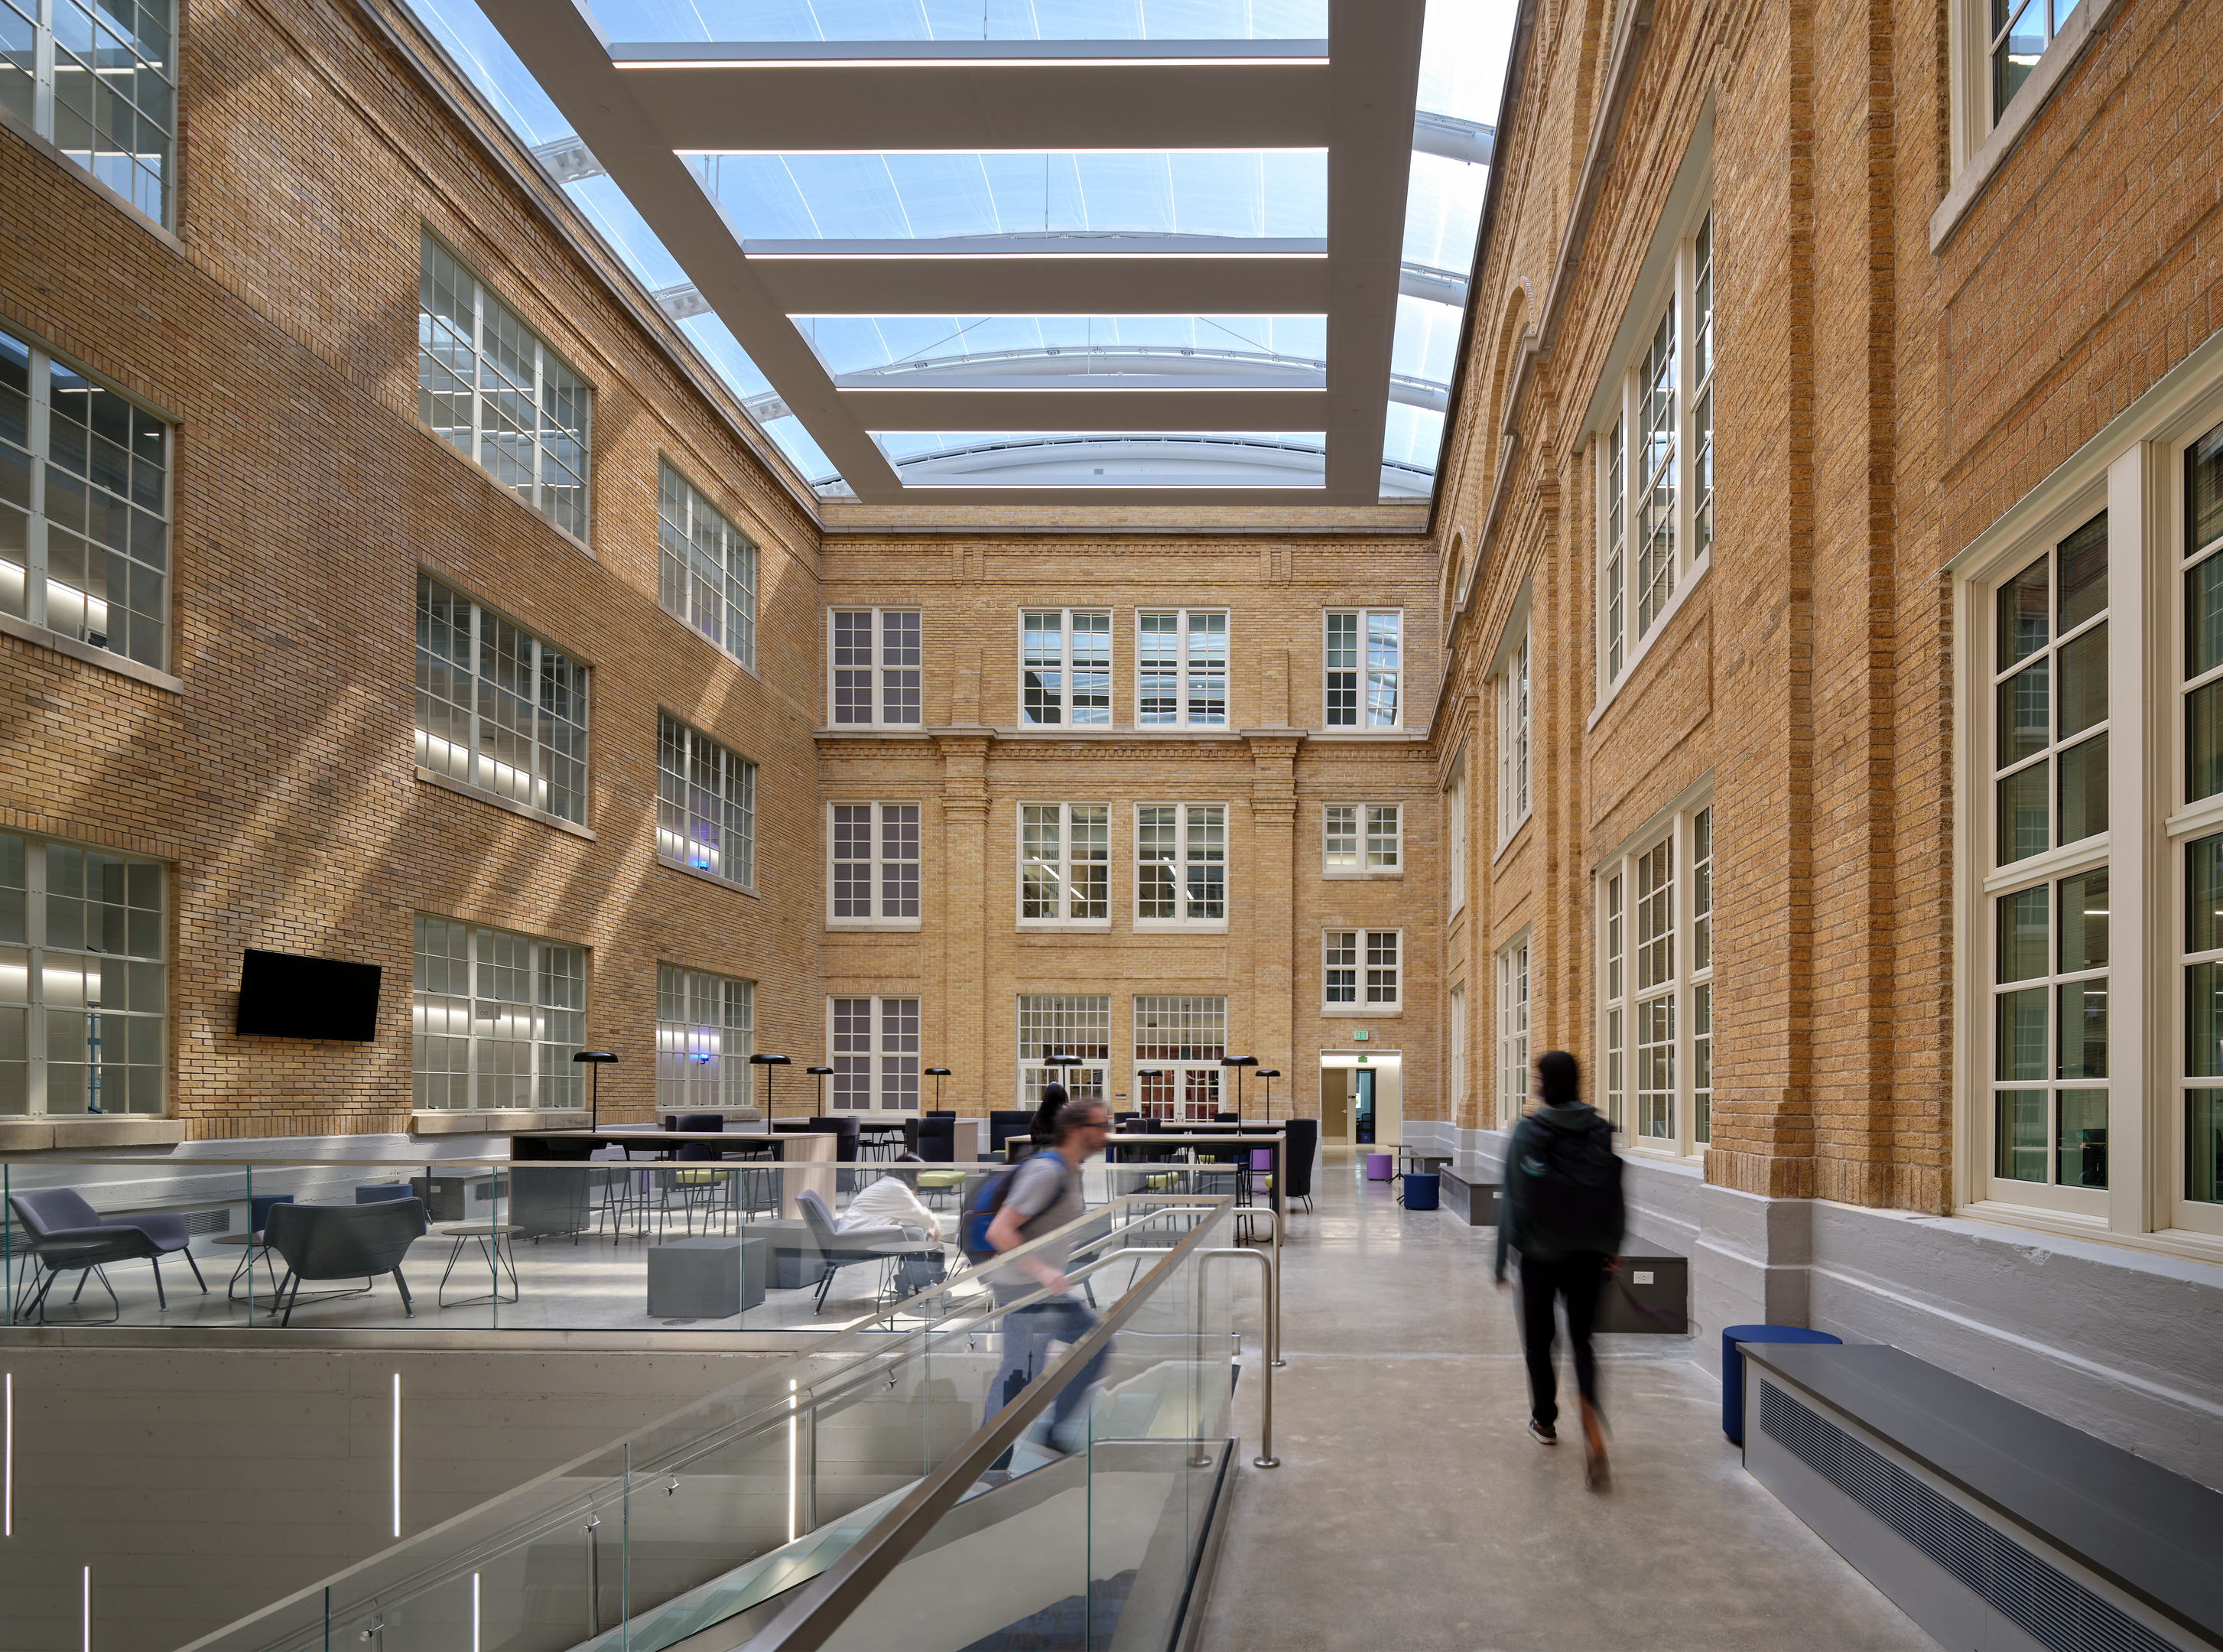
2053,1608
208,1221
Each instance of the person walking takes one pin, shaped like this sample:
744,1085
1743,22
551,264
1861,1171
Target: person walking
1043,1195
1560,1207
1044,1132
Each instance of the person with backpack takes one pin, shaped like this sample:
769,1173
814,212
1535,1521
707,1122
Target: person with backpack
1560,1207
1012,1208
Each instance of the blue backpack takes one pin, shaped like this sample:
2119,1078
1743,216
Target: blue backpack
988,1198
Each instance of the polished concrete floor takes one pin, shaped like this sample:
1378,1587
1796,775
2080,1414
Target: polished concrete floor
1412,1512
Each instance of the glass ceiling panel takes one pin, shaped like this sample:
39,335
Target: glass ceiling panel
1175,344
1442,210
949,20
1107,458
1410,436
810,196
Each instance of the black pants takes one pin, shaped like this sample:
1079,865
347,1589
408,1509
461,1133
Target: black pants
1577,1278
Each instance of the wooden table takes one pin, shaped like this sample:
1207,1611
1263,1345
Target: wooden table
812,1149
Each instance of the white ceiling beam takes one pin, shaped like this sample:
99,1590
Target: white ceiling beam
875,97
1088,275
1437,286
1452,138
1191,408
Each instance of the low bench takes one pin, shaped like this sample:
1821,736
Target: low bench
1656,1275
1469,1193
1990,1525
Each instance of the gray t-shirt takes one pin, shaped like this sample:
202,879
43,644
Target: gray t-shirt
1046,1191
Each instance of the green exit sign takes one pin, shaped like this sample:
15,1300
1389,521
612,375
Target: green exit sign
1361,1034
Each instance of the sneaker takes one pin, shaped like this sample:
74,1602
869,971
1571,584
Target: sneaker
1543,1432
1595,1468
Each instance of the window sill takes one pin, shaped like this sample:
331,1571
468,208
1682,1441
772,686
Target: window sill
86,654
872,731
493,801
1388,873
472,1121
1338,1011
1052,926
1508,840
1364,735
106,191
1690,582
869,925
1179,926
64,1132
710,878
2053,65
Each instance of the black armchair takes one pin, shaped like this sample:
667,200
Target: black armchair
1300,1141
69,1236
841,1250
343,1242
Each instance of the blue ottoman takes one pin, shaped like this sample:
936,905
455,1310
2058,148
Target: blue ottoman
1422,1190
1733,1337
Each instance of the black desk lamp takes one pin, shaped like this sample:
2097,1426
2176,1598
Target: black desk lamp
769,1061
937,1074
1238,1063
819,1073
600,1059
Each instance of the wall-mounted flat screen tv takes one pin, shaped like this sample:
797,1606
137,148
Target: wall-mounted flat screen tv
285,996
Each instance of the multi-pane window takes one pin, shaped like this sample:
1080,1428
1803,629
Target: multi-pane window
1455,806
497,708
1656,996
1065,863
1457,1086
1180,863
82,938
100,81
1178,1045
875,654
1063,1024
2050,687
1511,1032
706,804
873,1049
496,1019
1365,655
1360,970
488,387
875,874
705,1034
2203,717
84,505
1065,666
1513,740
2049,1015
2018,32
1181,668
1655,474
706,571
1358,838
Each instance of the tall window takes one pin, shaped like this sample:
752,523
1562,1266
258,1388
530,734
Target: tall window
1180,667
1064,1024
2201,716
875,654
2018,32
488,387
2051,685
1178,1045
100,82
706,571
1361,972
873,1049
498,709
1655,515
1065,863
875,874
1511,1032
1359,839
706,804
1455,806
1457,1086
1513,740
1656,1000
496,1019
83,983
705,1034
1065,666
1365,668
85,503
1180,863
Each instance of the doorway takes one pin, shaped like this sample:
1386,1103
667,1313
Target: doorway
1362,1103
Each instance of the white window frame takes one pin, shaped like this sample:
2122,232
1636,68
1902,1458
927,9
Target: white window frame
1680,1002
1513,1023
1061,817
1366,681
1081,1026
554,1083
1514,734
1190,1088
1455,807
895,683
706,567
1059,702
561,440
1362,825
705,1034
1193,851
1350,947
1193,697
57,608
123,1048
552,783
151,191
886,1062
1455,1013
705,807
893,881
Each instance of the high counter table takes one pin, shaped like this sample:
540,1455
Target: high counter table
814,1149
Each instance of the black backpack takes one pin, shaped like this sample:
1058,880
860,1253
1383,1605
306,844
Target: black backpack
1574,1192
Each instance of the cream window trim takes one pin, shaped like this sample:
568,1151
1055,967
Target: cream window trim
887,840
1081,647
1364,831
875,668
1458,832
1064,861
1655,974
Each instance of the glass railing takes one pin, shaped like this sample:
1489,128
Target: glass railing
729,1513
632,1244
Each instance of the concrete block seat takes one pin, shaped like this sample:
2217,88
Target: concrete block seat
1469,1190
1656,1275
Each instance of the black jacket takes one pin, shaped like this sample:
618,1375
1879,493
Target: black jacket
1523,1163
